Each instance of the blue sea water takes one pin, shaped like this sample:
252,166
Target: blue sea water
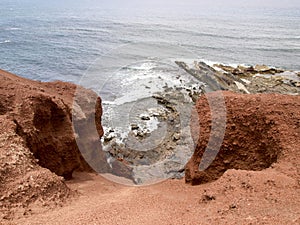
60,39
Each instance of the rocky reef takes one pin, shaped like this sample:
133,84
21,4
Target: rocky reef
245,79
175,100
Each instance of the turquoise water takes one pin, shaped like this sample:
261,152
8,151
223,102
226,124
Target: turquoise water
49,41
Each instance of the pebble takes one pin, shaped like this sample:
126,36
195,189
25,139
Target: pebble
134,126
145,117
176,137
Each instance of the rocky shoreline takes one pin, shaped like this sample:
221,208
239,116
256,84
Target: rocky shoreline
246,79
207,79
39,149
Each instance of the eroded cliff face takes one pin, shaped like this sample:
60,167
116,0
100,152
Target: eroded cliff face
38,148
262,130
45,135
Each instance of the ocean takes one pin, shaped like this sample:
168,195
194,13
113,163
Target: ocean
126,52
60,40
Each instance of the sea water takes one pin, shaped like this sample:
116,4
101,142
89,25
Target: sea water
50,40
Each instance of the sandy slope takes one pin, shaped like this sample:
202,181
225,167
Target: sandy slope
238,197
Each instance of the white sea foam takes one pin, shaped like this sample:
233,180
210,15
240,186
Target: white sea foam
212,63
152,124
108,102
13,28
145,66
5,41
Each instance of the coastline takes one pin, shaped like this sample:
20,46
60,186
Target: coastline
32,182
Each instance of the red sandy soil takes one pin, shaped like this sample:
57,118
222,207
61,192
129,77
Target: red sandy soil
238,197
261,129
230,193
37,144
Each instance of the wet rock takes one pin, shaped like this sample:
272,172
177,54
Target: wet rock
109,137
145,117
161,99
249,70
263,69
142,133
295,83
206,74
228,69
157,112
201,66
260,79
134,126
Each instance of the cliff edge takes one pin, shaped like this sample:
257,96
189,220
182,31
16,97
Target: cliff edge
38,149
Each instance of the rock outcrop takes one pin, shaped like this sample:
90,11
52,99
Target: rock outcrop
249,71
38,148
262,130
244,79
